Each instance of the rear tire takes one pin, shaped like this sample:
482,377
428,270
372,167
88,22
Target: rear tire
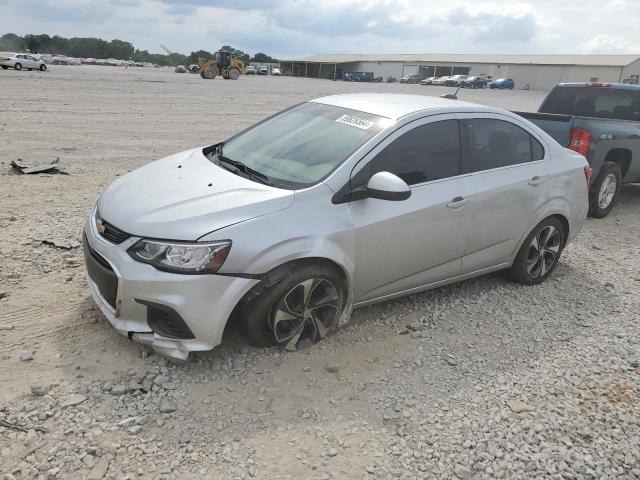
300,289
233,74
4,67
18,66
540,253
604,191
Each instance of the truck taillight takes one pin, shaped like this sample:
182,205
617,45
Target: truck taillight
588,173
580,140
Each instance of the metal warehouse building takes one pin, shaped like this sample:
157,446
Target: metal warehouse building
539,72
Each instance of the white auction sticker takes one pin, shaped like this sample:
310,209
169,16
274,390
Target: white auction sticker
361,123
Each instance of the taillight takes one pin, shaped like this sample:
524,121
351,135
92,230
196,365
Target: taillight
580,140
588,173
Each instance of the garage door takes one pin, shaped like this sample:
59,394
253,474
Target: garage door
408,70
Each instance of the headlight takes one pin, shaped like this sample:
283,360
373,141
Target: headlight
182,257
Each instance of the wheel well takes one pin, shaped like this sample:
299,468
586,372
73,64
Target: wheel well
565,224
622,157
277,273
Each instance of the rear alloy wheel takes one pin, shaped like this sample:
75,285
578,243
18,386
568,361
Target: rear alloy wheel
18,66
604,191
297,310
540,253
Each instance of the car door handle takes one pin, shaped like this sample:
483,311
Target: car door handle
458,202
535,181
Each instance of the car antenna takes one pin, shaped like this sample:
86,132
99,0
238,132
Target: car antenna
451,96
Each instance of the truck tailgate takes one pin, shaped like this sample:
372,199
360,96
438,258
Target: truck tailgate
558,126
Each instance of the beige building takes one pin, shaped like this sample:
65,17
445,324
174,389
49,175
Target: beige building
538,72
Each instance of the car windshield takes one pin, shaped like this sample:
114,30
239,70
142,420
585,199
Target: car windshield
302,145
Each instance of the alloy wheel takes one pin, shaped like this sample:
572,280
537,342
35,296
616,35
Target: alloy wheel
305,313
543,251
607,191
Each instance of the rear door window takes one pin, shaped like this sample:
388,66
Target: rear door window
426,153
489,143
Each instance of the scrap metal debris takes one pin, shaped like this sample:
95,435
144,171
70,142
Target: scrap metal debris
51,167
66,244
13,426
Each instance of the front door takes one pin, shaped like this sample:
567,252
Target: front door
400,245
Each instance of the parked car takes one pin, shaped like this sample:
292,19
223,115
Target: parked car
358,77
19,61
455,80
439,80
391,79
427,81
392,195
263,70
249,70
602,122
474,82
503,83
410,79
275,71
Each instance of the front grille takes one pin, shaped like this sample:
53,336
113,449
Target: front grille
101,273
113,234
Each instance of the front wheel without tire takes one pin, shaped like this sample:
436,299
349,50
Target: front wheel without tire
604,191
296,311
540,253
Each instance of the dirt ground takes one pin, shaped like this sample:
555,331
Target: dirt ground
261,412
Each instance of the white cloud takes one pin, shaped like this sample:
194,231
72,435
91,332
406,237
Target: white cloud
290,28
609,44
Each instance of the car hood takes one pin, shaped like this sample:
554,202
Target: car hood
185,196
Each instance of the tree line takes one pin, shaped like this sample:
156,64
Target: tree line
119,49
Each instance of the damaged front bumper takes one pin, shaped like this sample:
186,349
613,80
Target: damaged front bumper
172,313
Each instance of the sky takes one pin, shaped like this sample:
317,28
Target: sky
289,29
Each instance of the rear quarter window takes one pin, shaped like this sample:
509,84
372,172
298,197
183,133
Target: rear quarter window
598,102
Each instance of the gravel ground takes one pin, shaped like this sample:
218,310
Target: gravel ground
482,379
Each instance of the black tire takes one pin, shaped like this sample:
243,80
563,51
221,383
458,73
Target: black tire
4,67
260,308
600,202
534,265
43,68
18,66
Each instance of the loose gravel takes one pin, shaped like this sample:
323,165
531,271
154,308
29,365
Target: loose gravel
479,380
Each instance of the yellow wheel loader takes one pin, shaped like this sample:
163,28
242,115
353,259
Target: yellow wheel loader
223,64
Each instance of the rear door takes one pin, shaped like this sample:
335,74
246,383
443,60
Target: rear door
505,183
400,245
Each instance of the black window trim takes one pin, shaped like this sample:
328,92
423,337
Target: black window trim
346,194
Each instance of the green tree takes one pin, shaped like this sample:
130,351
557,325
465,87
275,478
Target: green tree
11,42
263,58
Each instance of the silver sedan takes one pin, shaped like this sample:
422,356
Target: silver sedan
332,204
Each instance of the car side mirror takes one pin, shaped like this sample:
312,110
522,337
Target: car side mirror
387,186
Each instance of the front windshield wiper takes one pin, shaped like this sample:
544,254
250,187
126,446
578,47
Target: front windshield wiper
239,166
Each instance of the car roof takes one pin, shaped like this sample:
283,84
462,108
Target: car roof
616,86
396,105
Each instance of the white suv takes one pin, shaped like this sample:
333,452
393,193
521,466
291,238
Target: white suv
22,60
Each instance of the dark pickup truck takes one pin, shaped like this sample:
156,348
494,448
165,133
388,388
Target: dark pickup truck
602,122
